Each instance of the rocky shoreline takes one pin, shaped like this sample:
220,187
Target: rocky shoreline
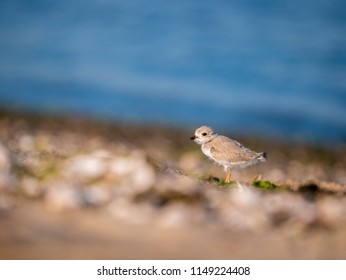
75,188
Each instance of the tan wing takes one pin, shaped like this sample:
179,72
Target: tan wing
230,150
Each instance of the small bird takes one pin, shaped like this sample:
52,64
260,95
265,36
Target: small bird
225,151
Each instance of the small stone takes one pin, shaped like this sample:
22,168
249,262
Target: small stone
30,187
5,166
276,174
292,206
96,195
189,161
243,210
179,214
139,213
331,211
63,197
245,196
87,166
174,183
134,170
6,202
26,143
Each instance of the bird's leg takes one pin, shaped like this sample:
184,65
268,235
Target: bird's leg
228,177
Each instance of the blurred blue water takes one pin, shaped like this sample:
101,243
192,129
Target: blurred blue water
268,67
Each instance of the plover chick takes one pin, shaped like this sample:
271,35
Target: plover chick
225,151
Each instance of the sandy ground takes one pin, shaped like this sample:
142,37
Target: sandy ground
76,189
30,233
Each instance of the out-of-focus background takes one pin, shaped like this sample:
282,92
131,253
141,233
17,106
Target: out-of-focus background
98,100
271,67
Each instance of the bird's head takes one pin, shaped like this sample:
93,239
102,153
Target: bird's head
203,135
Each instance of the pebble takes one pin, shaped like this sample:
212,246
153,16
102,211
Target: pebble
243,210
87,167
6,202
5,166
178,184
290,205
134,170
189,161
331,212
96,195
31,187
63,196
139,213
26,143
179,214
5,163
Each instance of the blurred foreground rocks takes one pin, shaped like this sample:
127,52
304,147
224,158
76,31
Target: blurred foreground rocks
134,177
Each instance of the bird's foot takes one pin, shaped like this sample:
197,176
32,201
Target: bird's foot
228,177
257,178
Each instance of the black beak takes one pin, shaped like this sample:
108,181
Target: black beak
193,137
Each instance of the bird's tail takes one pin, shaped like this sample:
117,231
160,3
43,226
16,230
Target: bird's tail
263,156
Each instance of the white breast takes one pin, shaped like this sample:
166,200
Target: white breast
207,152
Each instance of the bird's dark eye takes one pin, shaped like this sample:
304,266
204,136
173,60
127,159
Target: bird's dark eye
204,134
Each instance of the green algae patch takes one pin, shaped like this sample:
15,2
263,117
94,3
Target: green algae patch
218,182
222,184
41,172
264,185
